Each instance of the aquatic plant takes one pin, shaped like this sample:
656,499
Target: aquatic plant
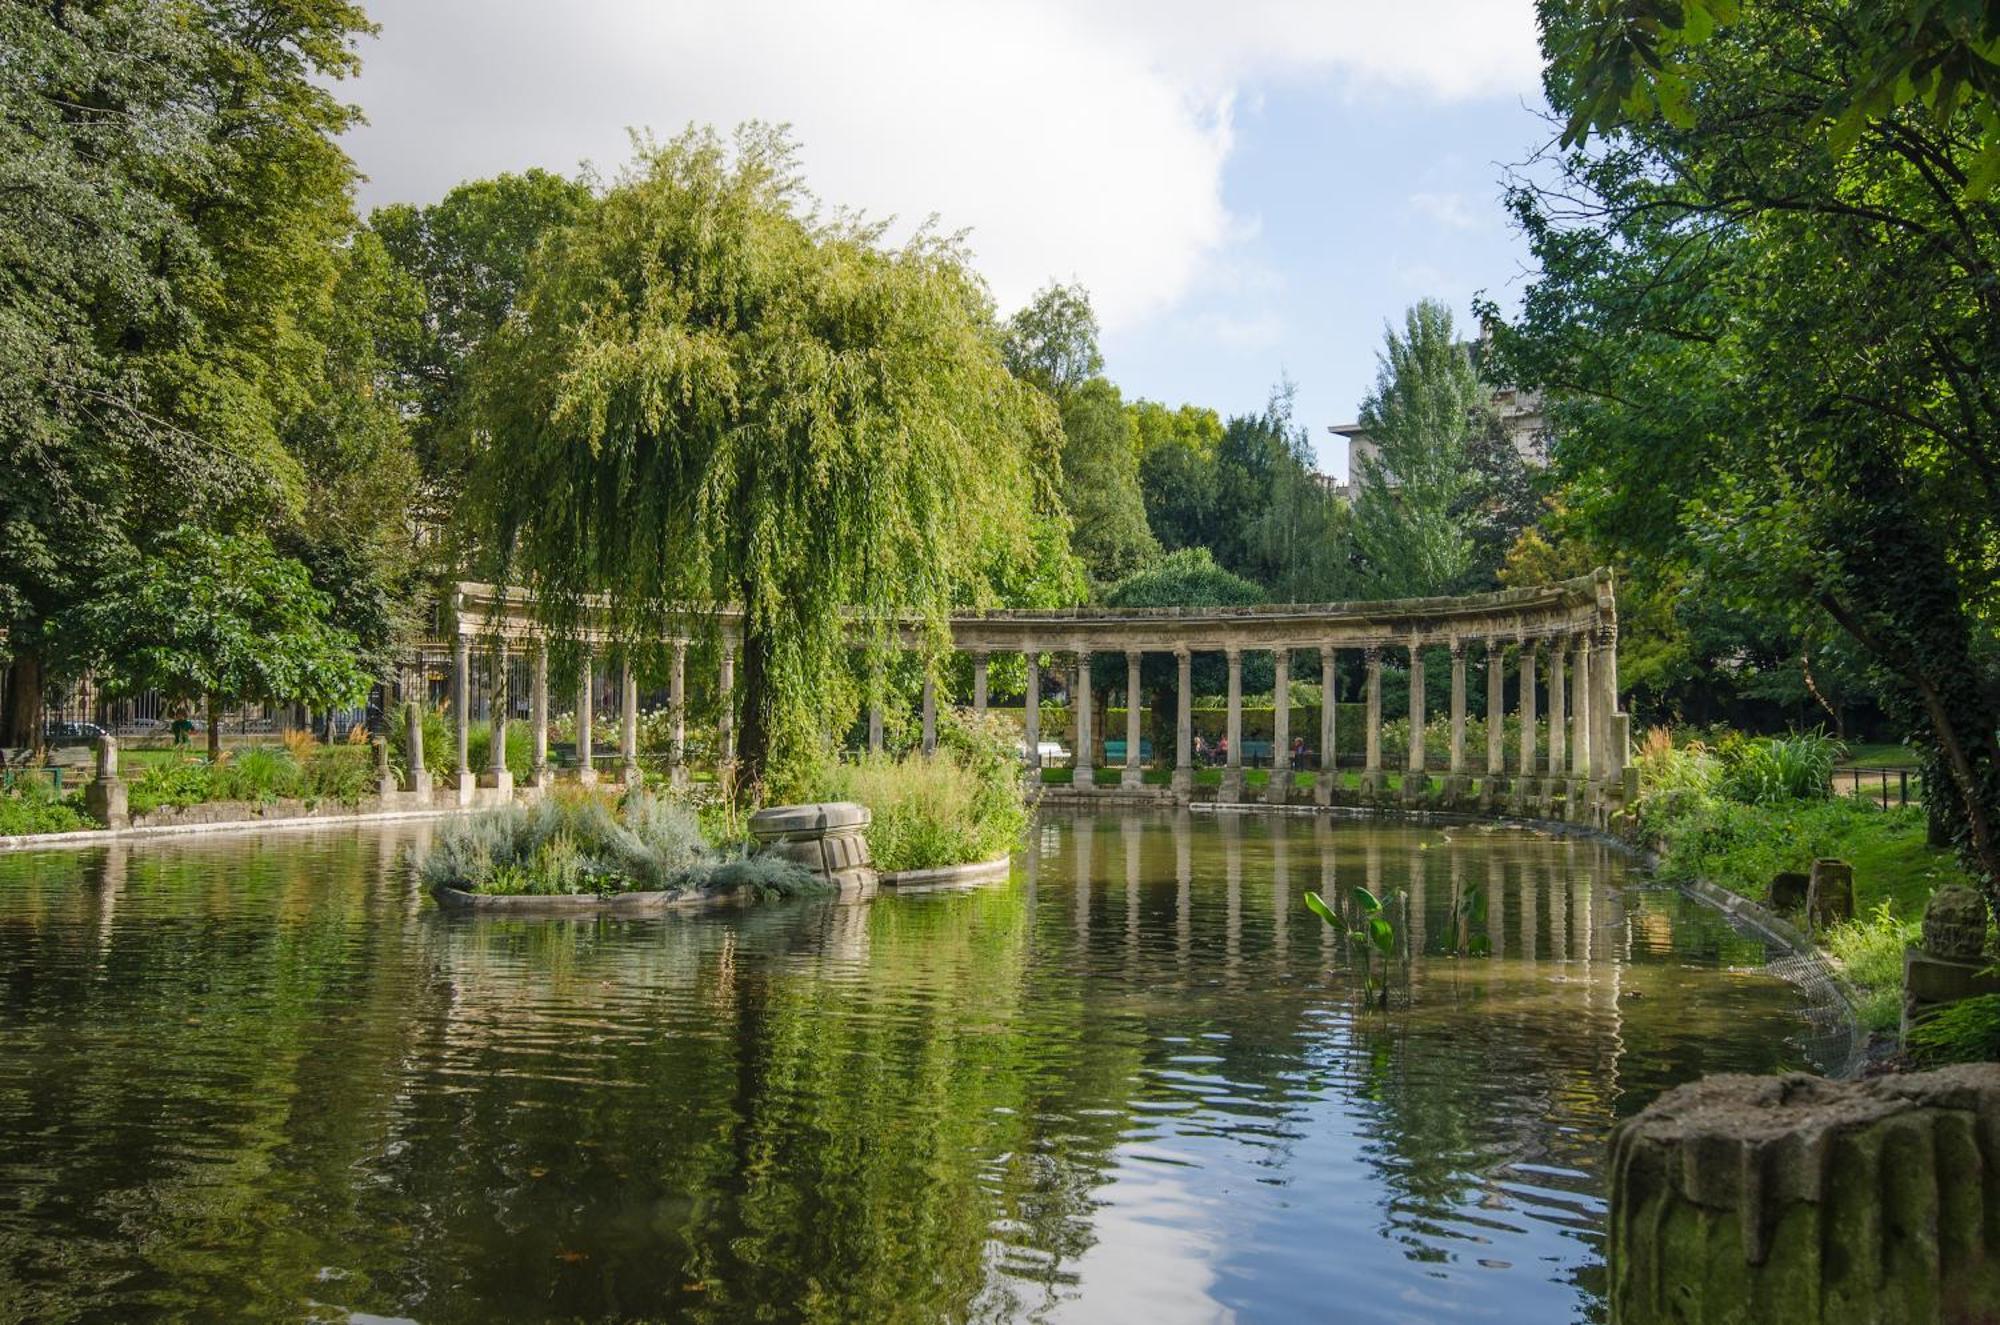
1370,935
960,805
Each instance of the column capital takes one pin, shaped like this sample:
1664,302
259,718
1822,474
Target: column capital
1457,647
1183,652
1371,654
1133,655
1234,652
1606,634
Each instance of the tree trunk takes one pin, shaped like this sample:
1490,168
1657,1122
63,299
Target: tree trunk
753,741
214,730
26,681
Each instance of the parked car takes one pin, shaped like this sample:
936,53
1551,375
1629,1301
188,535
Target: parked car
60,734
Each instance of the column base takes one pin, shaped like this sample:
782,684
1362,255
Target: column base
466,787
107,802
1083,777
1132,777
1182,783
583,776
677,777
1232,787
499,781
1323,786
1372,784
1278,791
630,776
420,785
541,777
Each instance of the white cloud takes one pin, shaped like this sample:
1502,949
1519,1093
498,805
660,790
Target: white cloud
1454,211
1073,141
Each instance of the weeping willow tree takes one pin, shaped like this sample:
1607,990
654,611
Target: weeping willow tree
713,395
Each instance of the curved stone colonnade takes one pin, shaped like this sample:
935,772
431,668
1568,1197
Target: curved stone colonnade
1569,762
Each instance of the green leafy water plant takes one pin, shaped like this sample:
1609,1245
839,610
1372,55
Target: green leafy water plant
1370,934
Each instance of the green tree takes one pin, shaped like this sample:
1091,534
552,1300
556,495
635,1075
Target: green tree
221,618
710,395
1408,525
174,205
1053,341
1100,469
1778,364
469,254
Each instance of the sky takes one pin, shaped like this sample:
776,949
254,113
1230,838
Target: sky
1249,191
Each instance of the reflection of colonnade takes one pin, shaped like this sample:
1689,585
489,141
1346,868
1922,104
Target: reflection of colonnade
1560,639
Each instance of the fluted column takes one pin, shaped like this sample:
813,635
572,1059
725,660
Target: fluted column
1080,700
1496,709
1557,715
497,776
586,713
1134,774
461,705
1232,772
1031,718
677,772
1371,658
979,683
1416,764
628,727
1183,722
538,714
725,685
930,716
1281,711
1329,708
1580,743
1457,709
1527,685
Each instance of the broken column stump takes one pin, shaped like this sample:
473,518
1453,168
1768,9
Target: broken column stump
1745,1200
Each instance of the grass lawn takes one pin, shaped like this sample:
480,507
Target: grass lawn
1879,755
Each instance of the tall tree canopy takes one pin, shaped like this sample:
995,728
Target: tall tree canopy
1053,341
1409,529
712,395
1780,361
185,329
1100,465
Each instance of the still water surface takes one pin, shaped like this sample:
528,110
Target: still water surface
262,1078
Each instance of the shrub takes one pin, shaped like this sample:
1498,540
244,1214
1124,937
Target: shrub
1870,953
963,805
35,806
576,843
304,771
1781,768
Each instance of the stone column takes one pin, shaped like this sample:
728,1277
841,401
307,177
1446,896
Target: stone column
497,777
106,798
1183,722
1612,732
725,685
1281,711
418,779
538,709
1329,709
628,734
1371,658
1232,772
461,703
1496,710
1134,774
1417,711
1031,717
1457,714
874,726
677,774
1601,706
586,713
930,716
979,683
1579,750
1558,755
1086,774
1527,684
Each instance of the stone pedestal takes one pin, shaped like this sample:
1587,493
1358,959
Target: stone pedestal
1830,893
1952,963
1795,1199
385,777
1233,785
105,798
498,783
1183,783
828,839
467,788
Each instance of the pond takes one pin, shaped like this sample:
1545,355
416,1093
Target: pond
261,1077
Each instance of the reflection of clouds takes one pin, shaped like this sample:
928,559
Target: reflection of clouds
1157,1239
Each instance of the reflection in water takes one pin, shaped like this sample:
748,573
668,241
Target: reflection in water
261,1077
